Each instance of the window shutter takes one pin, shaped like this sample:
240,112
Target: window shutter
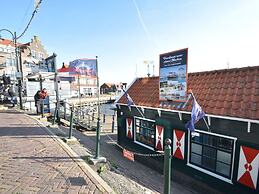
248,167
159,137
129,133
178,144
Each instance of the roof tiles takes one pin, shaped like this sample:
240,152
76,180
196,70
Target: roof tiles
228,92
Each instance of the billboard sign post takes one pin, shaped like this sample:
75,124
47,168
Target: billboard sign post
173,75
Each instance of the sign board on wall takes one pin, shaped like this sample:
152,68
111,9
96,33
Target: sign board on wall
173,75
47,65
128,154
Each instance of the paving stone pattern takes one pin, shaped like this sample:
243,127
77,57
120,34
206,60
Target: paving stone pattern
33,162
133,171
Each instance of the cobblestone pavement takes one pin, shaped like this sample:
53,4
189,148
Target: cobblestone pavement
31,161
134,171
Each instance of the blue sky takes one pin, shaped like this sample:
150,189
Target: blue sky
124,33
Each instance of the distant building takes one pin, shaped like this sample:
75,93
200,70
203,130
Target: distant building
107,88
225,156
115,88
32,53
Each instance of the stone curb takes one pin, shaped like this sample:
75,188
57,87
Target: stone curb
95,178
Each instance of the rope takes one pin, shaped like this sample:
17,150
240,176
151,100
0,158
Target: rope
135,153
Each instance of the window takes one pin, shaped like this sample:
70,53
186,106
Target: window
145,132
10,62
33,54
212,153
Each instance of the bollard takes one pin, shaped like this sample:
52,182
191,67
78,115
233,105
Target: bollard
97,152
88,119
167,166
112,123
103,118
42,108
55,114
71,122
65,109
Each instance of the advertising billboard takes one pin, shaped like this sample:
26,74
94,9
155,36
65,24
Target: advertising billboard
173,75
86,67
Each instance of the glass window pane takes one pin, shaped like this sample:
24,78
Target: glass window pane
224,157
196,159
196,148
137,129
225,144
210,140
145,132
223,168
209,152
197,137
137,122
208,163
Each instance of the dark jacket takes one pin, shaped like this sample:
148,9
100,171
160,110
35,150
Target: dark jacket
37,97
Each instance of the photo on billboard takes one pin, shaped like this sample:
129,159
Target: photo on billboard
86,67
173,75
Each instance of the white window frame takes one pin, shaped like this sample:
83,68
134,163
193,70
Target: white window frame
228,180
137,142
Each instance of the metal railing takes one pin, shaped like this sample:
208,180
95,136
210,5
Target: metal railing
84,118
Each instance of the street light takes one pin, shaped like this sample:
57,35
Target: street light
20,81
15,45
14,37
97,158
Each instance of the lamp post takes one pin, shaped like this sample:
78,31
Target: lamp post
20,81
15,45
98,115
97,158
14,37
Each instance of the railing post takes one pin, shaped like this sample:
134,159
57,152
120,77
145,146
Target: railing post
71,122
167,167
65,109
103,118
55,114
88,119
112,123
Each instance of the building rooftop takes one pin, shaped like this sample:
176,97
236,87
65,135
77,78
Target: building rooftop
7,42
227,92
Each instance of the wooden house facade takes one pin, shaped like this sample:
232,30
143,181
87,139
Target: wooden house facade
224,155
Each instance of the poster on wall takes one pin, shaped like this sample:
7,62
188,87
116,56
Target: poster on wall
173,75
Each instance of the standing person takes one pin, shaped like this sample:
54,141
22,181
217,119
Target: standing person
43,93
11,93
44,96
37,98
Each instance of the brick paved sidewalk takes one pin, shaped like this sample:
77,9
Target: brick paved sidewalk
31,161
